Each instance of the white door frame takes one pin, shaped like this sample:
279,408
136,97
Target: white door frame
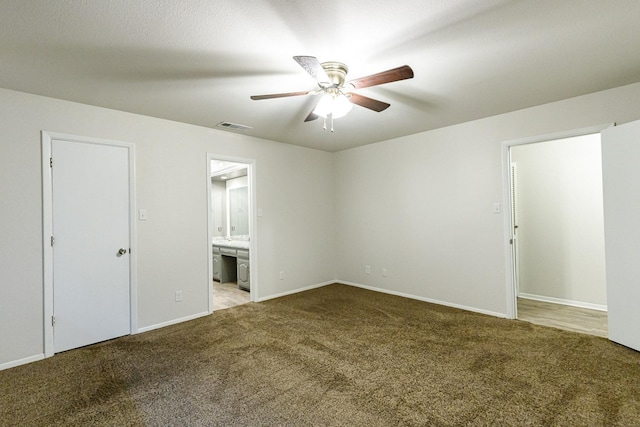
253,242
511,293
47,230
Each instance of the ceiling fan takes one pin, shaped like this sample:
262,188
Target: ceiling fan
337,96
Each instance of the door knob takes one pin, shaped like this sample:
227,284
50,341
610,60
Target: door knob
121,252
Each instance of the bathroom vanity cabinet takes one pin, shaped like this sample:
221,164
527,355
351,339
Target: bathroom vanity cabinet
231,264
243,269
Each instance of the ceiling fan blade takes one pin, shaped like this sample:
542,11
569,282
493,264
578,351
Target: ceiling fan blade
312,66
279,95
311,117
370,103
400,73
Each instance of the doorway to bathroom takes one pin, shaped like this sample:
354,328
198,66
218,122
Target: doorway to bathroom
231,225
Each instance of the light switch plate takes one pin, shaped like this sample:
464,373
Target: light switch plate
142,214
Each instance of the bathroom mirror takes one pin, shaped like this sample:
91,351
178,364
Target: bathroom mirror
239,211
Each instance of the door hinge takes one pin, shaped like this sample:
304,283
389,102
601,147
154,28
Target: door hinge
53,240
50,162
53,320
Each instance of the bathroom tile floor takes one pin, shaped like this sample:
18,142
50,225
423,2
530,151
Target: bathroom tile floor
227,295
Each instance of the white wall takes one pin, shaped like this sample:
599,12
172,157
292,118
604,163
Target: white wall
560,220
294,191
421,206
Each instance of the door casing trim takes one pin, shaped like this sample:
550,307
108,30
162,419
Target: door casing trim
47,231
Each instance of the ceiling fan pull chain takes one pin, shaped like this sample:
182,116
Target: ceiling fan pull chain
331,122
324,123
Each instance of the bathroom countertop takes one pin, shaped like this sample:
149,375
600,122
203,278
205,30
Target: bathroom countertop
242,244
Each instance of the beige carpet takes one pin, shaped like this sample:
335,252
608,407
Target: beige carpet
334,356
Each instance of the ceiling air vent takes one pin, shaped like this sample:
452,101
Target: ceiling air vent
232,126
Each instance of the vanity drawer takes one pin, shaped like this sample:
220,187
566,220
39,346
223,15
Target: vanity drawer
243,254
228,251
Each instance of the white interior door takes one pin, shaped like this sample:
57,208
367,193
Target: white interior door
621,188
91,280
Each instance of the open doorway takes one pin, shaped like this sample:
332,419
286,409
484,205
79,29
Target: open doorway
231,225
557,226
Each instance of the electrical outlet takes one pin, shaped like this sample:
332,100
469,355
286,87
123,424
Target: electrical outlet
282,275
385,273
367,269
178,296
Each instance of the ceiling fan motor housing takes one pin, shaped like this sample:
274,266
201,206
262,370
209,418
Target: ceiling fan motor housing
336,71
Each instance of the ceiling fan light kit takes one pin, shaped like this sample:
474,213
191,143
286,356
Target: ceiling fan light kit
334,104
337,96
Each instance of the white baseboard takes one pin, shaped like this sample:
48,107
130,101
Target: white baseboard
295,291
170,322
429,300
37,357
580,304
19,362
195,316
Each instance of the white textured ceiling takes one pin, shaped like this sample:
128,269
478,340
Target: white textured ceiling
198,61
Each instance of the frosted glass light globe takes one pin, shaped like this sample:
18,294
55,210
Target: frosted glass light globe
335,104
